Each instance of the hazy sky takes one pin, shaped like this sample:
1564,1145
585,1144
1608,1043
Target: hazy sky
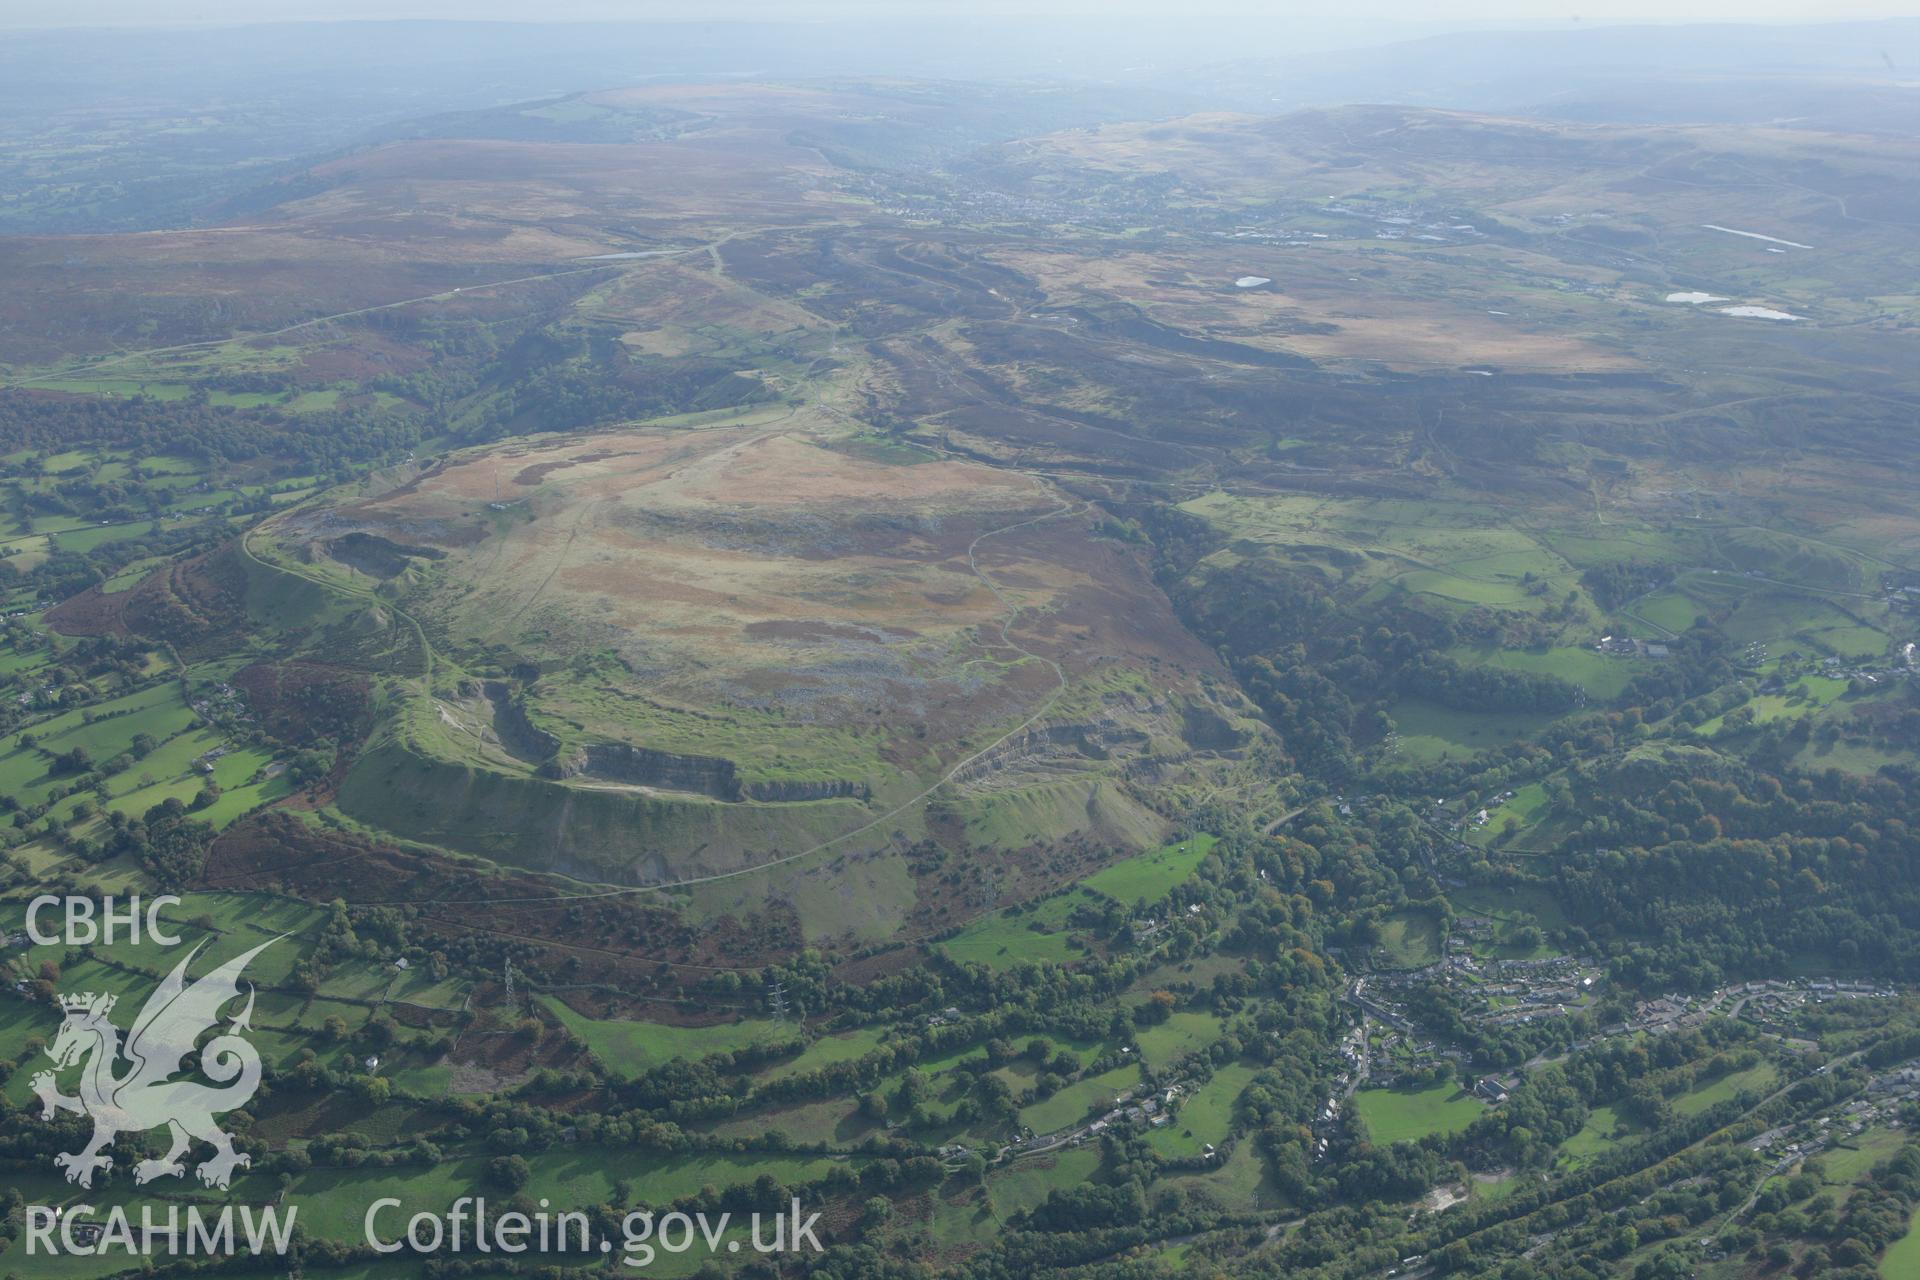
1425,15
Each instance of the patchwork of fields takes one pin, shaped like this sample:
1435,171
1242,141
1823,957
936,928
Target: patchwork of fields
1017,676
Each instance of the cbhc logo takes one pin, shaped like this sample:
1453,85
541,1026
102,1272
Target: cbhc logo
87,923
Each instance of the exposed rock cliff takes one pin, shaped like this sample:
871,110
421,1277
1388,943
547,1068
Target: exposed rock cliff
620,762
518,734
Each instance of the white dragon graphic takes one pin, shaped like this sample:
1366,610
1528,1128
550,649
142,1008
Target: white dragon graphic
144,1097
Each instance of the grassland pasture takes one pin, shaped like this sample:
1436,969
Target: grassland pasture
1855,758
214,928
1755,1079
1603,1131
1151,876
1409,940
1403,1115
1902,1258
1429,732
1077,1100
1517,821
108,729
1603,676
1205,1117
184,757
1029,1182
1183,1032
843,1046
629,1048
1853,1158
837,1121
1241,1184
1042,931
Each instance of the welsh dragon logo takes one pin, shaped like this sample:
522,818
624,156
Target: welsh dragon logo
143,1096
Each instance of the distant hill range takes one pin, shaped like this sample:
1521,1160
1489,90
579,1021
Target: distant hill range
121,129
1853,77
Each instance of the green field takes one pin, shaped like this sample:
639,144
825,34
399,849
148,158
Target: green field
1184,1031
15,662
1850,1160
1509,904
1805,697
173,769
1861,759
23,775
1073,1103
233,923
1206,1116
630,1048
1670,612
1409,940
834,1121
170,771
1402,1115
1151,876
1241,1185
180,778
845,1046
303,402
1511,822
1034,932
237,801
1603,676
109,727
87,539
1028,1182
1430,733
1902,1259
130,577
1750,610
1756,1079
1850,641
1603,1131
1042,930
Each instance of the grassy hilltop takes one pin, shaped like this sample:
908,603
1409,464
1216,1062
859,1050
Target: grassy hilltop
673,654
